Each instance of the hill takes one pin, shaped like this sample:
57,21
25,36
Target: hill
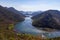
6,14
48,19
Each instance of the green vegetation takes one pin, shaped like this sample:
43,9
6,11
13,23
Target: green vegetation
11,26
7,33
57,38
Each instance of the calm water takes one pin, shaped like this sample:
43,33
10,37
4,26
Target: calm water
26,27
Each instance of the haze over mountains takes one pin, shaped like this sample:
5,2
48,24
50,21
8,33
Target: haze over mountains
36,13
30,13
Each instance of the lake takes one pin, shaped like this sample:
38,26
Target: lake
26,27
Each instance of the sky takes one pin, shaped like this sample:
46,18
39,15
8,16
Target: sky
31,5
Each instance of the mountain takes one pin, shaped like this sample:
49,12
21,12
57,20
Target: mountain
7,21
48,19
34,14
16,11
27,13
8,15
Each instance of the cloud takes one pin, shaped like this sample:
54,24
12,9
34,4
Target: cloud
32,5
38,7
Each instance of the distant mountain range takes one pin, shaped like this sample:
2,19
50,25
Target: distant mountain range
35,14
31,13
47,19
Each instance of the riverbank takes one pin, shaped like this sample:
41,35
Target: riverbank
7,33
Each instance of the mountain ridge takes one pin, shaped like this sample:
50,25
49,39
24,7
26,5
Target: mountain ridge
48,19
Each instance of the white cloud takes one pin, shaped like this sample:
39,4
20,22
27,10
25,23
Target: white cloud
37,7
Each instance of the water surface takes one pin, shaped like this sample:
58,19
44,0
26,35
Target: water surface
26,27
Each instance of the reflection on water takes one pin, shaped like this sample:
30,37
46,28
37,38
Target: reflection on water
26,27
